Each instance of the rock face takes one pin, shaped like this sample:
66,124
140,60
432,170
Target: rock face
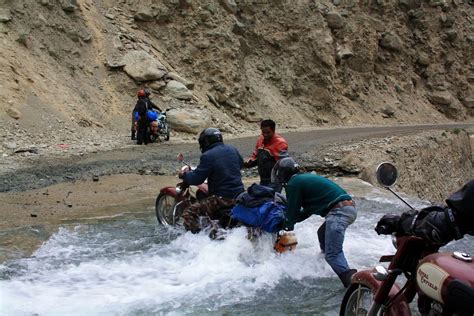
189,120
141,66
79,64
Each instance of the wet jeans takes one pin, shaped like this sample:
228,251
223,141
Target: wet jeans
331,236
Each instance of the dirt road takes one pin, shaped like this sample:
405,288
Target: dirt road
160,159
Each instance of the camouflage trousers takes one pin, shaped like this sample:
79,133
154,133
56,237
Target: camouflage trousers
206,212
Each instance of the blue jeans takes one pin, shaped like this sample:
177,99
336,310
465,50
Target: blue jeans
332,232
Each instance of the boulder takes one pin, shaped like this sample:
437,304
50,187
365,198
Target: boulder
14,113
144,15
189,120
175,76
178,90
441,98
469,102
335,20
5,15
141,66
391,41
69,5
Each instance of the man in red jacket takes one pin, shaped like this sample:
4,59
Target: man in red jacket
269,149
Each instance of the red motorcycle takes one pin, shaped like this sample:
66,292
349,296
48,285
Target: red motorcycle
444,282
172,201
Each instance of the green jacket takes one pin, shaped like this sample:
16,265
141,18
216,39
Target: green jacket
309,194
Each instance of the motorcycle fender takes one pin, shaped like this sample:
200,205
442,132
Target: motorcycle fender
169,191
366,277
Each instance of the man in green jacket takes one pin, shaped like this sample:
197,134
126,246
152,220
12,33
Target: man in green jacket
309,194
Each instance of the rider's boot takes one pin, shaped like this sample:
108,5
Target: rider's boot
346,277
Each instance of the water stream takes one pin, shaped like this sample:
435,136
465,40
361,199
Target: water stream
128,265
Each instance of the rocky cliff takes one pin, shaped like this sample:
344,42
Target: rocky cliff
70,69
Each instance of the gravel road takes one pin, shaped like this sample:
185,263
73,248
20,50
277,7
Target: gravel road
161,158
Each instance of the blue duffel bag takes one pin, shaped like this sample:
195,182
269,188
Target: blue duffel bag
269,216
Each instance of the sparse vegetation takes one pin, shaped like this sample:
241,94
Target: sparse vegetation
23,39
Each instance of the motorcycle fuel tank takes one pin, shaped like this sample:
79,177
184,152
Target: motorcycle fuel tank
445,277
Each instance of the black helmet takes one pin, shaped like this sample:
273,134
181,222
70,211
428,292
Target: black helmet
283,170
208,137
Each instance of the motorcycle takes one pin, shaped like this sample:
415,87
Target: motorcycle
158,125
172,201
444,282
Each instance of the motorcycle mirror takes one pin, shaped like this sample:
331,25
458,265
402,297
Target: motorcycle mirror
387,174
180,157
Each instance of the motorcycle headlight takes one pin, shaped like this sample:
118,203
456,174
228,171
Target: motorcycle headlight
178,190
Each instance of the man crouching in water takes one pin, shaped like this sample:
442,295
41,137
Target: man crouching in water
220,164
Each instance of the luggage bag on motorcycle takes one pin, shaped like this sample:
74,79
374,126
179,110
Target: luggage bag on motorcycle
269,216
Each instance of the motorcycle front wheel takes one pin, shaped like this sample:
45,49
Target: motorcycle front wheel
356,301
164,209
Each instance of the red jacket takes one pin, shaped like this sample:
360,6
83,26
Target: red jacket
266,155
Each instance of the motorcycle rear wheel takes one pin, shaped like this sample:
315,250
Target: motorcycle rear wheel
356,301
164,209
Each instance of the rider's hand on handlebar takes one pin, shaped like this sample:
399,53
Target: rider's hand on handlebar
183,170
387,224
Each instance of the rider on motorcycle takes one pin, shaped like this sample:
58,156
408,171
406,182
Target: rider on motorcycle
438,225
220,164
141,107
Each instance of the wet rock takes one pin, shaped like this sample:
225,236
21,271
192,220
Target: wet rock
141,66
14,113
391,41
334,20
189,120
5,15
178,90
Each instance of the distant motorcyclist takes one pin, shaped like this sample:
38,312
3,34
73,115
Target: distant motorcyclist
435,224
270,148
220,164
143,105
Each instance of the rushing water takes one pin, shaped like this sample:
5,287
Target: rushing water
124,266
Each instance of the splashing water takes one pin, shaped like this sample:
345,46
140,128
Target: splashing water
136,267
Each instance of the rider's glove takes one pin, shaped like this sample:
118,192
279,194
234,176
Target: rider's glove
387,224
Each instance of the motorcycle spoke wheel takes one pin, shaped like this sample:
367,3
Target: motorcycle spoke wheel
357,301
164,209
